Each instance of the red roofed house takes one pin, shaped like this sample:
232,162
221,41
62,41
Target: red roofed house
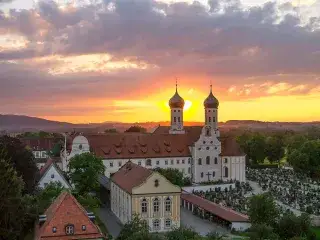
66,219
199,151
138,190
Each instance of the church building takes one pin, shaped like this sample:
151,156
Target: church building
199,152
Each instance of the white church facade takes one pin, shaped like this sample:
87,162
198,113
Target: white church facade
199,152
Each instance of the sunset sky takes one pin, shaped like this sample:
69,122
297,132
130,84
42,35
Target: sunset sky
116,60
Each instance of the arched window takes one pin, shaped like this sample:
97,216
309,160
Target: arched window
215,160
209,119
226,171
156,205
202,175
144,206
174,119
167,205
148,162
213,174
208,160
208,131
199,161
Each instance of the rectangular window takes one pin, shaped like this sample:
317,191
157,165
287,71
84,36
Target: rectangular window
226,160
182,161
120,164
209,119
44,155
178,161
111,164
139,163
156,224
166,162
189,161
157,162
202,175
168,223
178,119
174,119
214,119
172,162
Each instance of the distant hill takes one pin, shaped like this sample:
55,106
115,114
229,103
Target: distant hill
18,124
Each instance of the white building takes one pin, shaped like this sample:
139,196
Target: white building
146,193
51,172
199,152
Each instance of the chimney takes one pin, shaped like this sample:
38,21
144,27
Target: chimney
42,219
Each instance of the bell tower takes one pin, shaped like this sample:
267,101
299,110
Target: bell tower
211,105
176,104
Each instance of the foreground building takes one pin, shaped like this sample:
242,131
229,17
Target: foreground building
199,152
138,190
66,219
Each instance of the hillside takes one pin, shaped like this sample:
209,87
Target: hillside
17,124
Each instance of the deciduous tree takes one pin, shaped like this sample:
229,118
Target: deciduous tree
274,149
84,170
263,210
22,160
136,128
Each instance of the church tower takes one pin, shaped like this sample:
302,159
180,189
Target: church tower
211,105
176,104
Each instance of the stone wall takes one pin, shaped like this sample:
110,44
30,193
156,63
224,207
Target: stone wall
208,187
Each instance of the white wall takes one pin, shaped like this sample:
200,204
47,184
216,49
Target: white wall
121,203
181,163
236,168
47,178
240,226
208,187
207,146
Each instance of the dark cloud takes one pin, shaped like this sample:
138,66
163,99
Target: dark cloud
222,40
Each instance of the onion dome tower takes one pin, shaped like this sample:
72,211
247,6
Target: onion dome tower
211,105
176,104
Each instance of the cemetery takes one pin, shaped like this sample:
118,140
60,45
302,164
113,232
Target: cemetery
232,197
292,189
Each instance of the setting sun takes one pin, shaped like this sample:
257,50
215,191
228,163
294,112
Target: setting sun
187,105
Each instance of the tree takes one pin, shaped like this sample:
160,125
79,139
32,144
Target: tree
14,215
263,210
291,226
111,130
183,233
136,128
55,151
173,175
22,160
48,195
274,149
215,236
84,170
135,229
256,148
262,232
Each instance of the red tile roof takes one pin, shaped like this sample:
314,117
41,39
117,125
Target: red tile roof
66,210
40,144
127,145
220,211
130,175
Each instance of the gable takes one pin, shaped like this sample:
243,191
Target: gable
52,174
69,212
148,187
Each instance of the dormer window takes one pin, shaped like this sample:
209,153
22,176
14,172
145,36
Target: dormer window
148,162
52,175
69,229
